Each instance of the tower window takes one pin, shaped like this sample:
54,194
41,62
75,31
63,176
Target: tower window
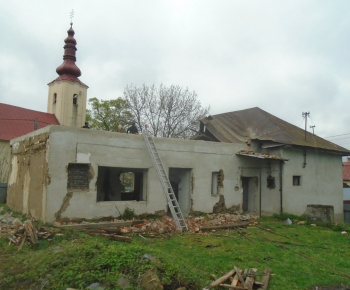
54,98
75,99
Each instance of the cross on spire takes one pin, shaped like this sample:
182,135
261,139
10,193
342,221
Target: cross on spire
71,17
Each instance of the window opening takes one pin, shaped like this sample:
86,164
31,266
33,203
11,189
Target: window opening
127,180
296,180
120,184
75,99
54,98
271,182
214,182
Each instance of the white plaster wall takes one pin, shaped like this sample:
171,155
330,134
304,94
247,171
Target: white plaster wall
122,150
321,178
321,181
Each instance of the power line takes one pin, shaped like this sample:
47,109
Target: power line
337,135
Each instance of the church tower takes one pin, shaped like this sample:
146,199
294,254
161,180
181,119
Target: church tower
67,94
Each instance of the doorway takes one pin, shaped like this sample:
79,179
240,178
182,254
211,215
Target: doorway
180,180
250,196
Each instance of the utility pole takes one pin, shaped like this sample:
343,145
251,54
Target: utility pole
313,129
305,115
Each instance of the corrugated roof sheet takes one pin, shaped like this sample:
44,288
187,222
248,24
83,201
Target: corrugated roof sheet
17,121
256,124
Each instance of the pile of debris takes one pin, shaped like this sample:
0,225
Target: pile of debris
238,279
124,230
19,233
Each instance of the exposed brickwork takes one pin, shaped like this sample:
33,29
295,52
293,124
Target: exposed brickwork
78,176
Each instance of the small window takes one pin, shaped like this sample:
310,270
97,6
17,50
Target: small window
214,182
296,180
54,98
271,182
78,176
127,181
217,181
75,99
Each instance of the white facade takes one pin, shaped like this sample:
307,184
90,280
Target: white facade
67,100
75,173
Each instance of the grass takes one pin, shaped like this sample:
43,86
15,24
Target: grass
300,257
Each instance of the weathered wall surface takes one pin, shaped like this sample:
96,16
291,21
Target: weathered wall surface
4,160
109,149
39,178
29,174
321,181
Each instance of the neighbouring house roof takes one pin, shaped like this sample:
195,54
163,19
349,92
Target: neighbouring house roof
17,121
256,124
346,170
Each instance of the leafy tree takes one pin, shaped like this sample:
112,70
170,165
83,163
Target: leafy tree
109,114
168,111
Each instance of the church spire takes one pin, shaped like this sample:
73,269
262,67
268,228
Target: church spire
68,70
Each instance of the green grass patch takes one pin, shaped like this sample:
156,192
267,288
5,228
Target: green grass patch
300,257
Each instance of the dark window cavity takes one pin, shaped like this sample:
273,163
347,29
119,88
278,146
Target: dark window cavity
271,182
120,184
75,99
296,180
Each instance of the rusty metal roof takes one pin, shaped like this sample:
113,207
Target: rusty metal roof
256,124
16,121
346,170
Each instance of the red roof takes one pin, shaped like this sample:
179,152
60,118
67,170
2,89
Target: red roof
17,121
346,170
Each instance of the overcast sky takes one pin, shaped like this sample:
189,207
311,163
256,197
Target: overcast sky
286,57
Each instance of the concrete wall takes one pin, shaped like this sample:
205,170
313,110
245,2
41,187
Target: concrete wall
321,181
111,149
40,161
4,160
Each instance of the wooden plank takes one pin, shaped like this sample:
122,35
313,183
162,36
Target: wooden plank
102,225
239,276
31,231
220,280
241,225
265,279
232,287
234,280
249,281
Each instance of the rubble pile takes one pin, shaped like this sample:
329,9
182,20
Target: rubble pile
161,225
19,233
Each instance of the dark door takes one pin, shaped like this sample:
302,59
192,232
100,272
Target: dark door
245,186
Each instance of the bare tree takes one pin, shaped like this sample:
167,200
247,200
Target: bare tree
171,112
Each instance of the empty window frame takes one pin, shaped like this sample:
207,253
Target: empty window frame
214,182
75,99
120,184
296,180
270,182
78,176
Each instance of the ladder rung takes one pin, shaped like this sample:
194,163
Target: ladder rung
168,190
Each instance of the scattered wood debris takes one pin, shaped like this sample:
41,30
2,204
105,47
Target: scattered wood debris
19,235
242,280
